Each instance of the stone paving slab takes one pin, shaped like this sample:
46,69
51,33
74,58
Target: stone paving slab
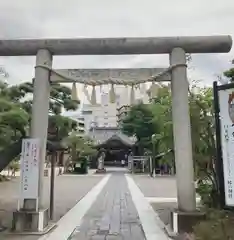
113,215
69,189
164,210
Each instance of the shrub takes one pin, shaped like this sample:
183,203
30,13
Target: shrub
3,178
83,169
218,226
185,236
208,193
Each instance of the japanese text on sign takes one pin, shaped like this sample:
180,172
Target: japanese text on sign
226,104
30,168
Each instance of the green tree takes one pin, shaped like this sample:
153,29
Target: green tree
80,145
204,147
16,105
139,123
13,118
60,97
202,130
64,125
162,111
230,73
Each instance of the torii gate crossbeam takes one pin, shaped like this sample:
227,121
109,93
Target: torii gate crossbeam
116,46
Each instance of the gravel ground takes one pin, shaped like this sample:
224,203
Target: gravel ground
69,189
162,186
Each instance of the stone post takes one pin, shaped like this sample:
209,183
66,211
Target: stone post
182,133
100,162
39,125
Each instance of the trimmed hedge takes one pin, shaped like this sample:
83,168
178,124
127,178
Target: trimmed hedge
83,169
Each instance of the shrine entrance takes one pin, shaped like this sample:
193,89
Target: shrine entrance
117,149
176,47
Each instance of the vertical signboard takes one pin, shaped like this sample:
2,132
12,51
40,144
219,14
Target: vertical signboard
226,119
104,99
29,166
105,108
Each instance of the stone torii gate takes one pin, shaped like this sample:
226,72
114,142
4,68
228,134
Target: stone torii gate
176,47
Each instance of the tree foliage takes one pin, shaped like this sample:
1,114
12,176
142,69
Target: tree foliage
230,74
60,97
16,106
80,146
162,118
139,123
204,147
13,118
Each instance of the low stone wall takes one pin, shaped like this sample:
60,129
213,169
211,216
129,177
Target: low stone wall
47,171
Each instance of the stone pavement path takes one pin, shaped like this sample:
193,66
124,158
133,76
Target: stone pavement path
113,215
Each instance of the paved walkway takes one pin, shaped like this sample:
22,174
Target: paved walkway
115,208
113,216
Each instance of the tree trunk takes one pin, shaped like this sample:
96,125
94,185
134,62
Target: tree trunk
73,152
61,158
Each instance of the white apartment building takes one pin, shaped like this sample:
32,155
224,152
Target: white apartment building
102,118
80,124
103,114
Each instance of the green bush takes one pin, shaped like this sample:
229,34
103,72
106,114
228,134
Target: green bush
83,169
219,223
218,226
208,193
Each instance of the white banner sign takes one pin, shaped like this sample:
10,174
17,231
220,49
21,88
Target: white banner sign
29,168
226,104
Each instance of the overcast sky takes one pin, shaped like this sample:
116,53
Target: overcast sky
119,18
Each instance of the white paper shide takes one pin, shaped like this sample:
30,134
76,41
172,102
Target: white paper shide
30,168
226,104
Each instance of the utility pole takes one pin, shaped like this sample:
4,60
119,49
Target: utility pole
52,180
153,155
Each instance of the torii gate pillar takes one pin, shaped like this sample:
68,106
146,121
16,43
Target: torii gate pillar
40,109
182,132
39,214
